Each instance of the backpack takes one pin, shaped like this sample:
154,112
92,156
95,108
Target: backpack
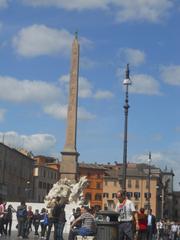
21,212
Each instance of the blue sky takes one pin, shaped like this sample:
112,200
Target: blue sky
35,48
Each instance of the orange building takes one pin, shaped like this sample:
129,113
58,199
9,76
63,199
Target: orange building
94,192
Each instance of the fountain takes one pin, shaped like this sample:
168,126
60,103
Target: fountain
70,193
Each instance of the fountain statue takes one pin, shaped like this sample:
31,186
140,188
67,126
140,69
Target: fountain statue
70,193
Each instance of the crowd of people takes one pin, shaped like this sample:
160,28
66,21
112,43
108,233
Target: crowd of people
42,222
142,225
133,224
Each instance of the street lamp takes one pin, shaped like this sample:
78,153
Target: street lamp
127,82
27,190
149,181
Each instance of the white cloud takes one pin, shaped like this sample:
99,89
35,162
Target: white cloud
142,10
3,3
39,40
60,112
87,63
86,89
2,114
69,5
138,10
103,94
132,56
83,114
36,143
144,84
57,111
12,89
171,74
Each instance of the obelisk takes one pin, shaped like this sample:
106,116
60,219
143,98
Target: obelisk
69,161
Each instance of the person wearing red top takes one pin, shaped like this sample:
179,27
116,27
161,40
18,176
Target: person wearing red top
142,222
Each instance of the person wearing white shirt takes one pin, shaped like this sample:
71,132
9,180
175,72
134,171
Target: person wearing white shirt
126,210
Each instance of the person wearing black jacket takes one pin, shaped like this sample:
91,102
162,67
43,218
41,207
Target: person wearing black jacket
8,219
151,225
36,221
59,217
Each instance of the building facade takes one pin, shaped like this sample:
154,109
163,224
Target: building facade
94,191
176,206
137,185
16,174
25,178
46,173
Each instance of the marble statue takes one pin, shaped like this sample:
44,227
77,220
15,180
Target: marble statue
68,191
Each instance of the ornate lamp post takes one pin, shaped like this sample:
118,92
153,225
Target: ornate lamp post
149,181
127,82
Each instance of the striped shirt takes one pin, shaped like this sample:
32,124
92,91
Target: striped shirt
87,221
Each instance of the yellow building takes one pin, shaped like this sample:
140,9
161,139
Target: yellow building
137,185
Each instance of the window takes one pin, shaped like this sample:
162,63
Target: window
98,197
137,195
106,183
98,185
129,183
129,194
40,184
105,195
89,184
44,185
176,213
115,183
88,196
114,195
48,187
137,183
147,183
147,195
146,206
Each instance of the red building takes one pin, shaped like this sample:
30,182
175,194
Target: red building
94,192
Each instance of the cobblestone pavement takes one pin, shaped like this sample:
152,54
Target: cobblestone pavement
31,236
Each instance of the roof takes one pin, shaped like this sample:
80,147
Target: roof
133,170
46,158
92,166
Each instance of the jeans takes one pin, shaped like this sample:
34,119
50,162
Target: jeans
149,232
58,230
125,230
79,231
49,227
21,227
